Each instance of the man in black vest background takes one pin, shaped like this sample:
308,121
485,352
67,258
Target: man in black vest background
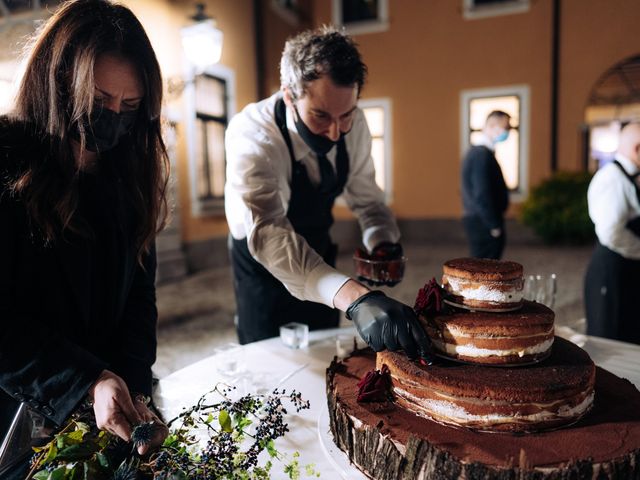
485,196
288,158
613,275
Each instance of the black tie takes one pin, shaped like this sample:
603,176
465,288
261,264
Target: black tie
328,179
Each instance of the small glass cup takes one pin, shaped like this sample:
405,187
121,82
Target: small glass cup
541,289
228,359
295,335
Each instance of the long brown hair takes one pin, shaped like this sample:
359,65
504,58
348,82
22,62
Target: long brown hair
56,96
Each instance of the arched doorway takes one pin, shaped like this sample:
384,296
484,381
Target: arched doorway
614,101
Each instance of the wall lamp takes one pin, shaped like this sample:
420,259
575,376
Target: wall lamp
202,45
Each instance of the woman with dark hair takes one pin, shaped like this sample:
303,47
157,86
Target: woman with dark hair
83,172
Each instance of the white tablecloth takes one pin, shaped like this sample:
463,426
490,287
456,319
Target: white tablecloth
269,364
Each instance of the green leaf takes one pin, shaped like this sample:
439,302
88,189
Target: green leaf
102,460
51,454
76,436
171,440
225,421
271,448
58,473
81,451
83,427
242,422
209,419
41,475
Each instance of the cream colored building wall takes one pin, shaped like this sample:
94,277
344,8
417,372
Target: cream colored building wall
422,62
163,20
596,35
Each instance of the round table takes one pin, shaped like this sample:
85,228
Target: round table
268,364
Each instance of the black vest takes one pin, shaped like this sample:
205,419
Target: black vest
309,207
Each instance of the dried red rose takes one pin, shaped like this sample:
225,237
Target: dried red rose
429,299
375,386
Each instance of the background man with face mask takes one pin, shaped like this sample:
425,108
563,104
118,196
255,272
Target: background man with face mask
613,275
288,158
485,196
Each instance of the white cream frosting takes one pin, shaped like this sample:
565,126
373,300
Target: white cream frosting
484,292
471,350
457,414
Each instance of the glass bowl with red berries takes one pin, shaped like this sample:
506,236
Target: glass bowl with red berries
383,266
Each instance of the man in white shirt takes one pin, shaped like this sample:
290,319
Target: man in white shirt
288,158
613,277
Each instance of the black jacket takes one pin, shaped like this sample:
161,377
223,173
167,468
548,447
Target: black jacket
484,193
52,347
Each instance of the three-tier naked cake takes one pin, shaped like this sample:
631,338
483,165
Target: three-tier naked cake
505,399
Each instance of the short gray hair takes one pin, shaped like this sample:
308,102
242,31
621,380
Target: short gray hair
324,51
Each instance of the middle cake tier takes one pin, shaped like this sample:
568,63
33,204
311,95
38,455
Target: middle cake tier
509,338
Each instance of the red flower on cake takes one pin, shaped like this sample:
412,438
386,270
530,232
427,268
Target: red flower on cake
429,299
375,386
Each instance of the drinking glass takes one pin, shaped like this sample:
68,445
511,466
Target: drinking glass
228,359
541,289
295,335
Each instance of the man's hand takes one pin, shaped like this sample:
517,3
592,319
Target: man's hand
387,251
386,323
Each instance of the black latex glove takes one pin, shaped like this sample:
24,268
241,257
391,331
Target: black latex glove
387,251
385,323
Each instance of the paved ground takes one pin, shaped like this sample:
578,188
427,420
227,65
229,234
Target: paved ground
196,314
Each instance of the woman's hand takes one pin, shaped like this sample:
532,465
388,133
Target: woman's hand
160,431
113,406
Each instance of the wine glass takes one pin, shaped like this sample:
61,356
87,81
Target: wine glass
541,288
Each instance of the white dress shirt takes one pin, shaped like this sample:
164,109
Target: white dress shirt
257,196
612,203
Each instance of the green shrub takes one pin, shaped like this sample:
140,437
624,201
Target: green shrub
557,209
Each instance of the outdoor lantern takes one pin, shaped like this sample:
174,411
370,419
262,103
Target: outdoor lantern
202,41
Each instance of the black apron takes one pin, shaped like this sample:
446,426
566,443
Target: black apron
263,303
611,290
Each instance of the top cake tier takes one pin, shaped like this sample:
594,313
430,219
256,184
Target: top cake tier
483,284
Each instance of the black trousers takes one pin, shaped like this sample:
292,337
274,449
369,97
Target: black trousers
611,292
481,243
264,304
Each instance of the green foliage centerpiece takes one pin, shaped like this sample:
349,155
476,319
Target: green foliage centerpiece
219,440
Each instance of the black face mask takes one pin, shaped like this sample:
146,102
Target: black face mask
107,128
320,144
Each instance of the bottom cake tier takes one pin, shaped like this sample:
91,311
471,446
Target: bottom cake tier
386,441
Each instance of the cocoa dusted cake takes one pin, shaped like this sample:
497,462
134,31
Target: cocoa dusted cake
508,338
483,284
385,440
554,393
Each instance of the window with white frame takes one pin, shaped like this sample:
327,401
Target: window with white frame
473,9
361,16
211,101
512,154
378,115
